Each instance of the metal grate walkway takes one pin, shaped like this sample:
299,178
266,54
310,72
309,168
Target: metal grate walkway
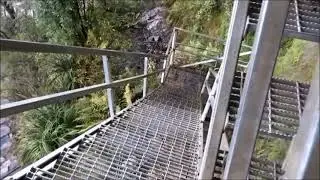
155,139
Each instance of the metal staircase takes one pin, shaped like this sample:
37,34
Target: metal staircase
303,20
283,107
281,119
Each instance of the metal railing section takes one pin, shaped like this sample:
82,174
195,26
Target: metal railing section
32,103
169,60
173,45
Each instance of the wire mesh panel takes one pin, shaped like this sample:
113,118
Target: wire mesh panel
155,139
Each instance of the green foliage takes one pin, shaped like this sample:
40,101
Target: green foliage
93,108
65,21
205,16
201,15
272,149
21,76
293,61
45,129
128,94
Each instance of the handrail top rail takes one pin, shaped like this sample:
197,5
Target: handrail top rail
28,46
36,102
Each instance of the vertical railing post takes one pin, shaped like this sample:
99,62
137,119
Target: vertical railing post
145,80
302,160
173,46
107,78
164,72
165,61
205,81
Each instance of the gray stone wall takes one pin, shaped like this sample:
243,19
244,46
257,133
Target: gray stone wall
8,161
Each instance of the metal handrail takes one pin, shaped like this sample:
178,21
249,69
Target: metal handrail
28,104
209,37
27,46
32,103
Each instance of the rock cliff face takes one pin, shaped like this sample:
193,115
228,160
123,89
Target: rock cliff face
156,30
8,162
151,32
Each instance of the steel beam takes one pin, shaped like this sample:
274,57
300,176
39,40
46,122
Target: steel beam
302,161
264,53
228,67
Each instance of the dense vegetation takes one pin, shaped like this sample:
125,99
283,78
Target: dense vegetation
91,23
103,24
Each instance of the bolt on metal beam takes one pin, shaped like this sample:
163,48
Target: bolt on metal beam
264,53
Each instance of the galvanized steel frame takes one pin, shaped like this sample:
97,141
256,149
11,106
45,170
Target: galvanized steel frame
265,50
302,160
228,67
27,46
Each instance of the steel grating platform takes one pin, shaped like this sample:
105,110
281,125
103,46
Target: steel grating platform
303,20
155,139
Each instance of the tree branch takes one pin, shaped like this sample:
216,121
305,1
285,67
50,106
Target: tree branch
4,35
